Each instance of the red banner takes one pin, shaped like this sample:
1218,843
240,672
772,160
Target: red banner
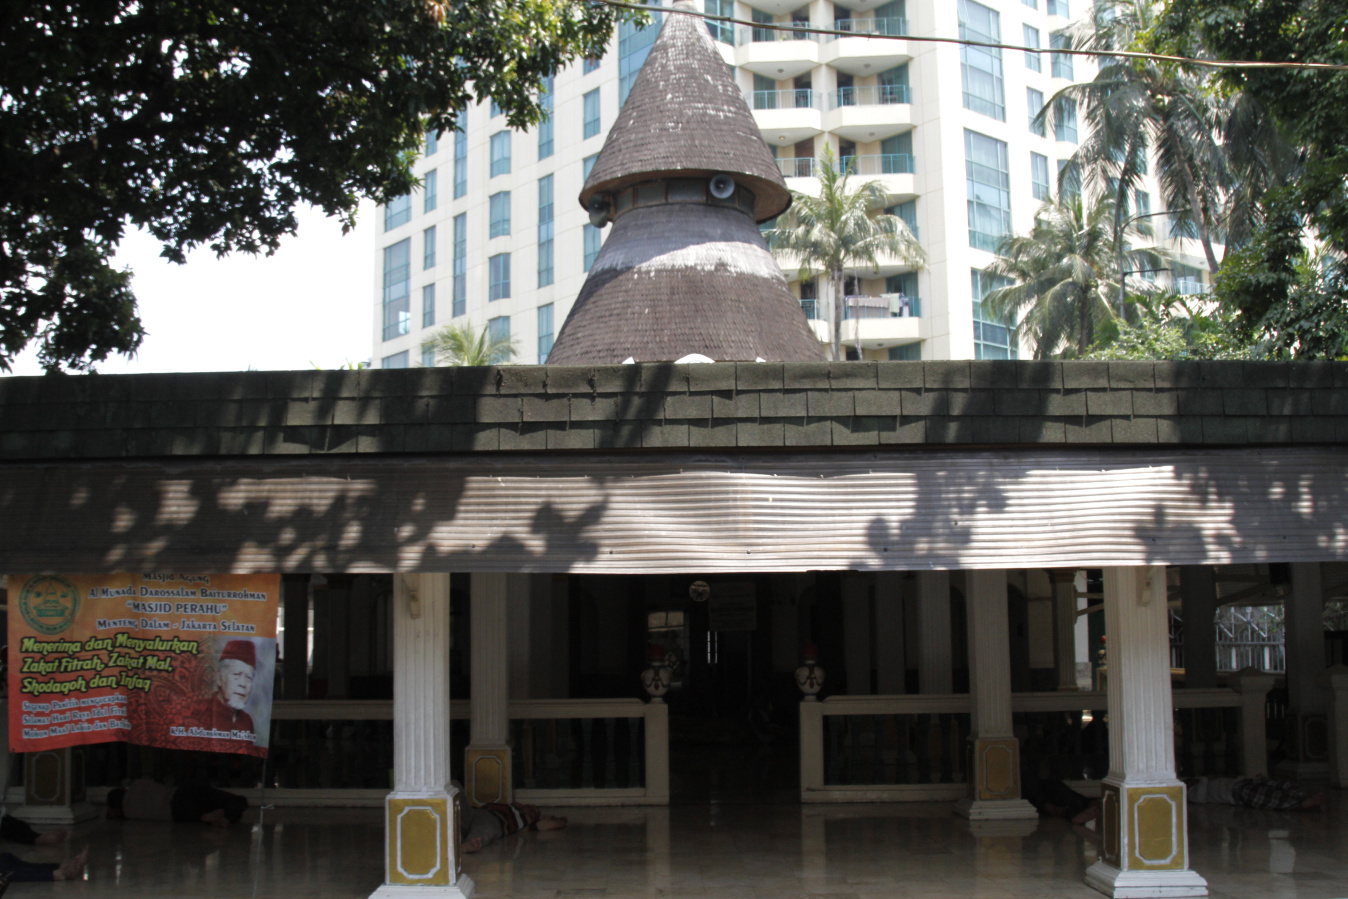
172,660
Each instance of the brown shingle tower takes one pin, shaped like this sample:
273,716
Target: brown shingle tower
684,176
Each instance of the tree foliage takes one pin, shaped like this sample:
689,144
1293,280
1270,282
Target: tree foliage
1065,275
1169,327
207,122
462,344
842,228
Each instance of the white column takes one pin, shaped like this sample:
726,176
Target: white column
891,667
487,763
1336,685
1198,609
1065,627
933,625
1308,728
421,849
1143,818
994,772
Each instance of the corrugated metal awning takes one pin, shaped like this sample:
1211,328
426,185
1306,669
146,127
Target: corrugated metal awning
675,513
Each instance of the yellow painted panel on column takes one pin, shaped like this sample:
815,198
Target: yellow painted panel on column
1109,823
488,779
418,833
997,769
1156,820
45,777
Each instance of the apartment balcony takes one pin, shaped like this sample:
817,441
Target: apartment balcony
870,47
869,113
786,117
884,321
776,7
774,53
893,170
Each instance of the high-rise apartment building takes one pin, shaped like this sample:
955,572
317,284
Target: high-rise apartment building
498,236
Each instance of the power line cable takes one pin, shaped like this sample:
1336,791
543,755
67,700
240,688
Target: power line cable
1125,54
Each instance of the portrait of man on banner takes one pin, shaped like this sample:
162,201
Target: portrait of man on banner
236,704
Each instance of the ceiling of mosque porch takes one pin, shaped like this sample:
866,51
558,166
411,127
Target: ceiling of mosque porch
666,468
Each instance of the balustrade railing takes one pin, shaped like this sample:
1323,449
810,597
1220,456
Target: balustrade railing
877,164
893,26
748,34
793,98
870,95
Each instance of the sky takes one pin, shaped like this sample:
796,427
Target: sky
309,304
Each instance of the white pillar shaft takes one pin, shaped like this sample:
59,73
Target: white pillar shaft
421,682
1305,639
989,654
933,625
890,665
1141,723
1198,608
490,662
1065,627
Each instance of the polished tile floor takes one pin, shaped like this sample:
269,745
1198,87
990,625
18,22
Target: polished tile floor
708,849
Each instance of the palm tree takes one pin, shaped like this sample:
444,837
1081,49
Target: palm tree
1064,273
461,344
1133,107
839,229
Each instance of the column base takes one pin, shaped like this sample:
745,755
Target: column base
59,817
995,809
1144,884
461,890
486,774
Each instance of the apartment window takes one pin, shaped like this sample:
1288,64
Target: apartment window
989,187
906,211
544,332
428,306
721,31
460,297
1187,280
1032,4
499,209
981,67
634,45
1030,38
908,303
1061,62
432,142
1039,176
432,187
397,360
594,239
397,288
591,65
545,228
545,124
500,153
1059,8
1034,101
428,248
428,356
993,339
461,156
498,277
398,212
591,103
1065,119
498,329
1069,179
909,352
587,164
896,154
495,109
1143,201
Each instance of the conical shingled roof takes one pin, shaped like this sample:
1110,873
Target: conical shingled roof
685,116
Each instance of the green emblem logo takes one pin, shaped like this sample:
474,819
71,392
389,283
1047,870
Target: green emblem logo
49,604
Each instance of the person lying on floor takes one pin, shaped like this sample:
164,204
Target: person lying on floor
485,824
148,800
1057,800
15,870
1253,792
17,831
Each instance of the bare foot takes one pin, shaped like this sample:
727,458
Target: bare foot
551,822
55,838
1090,813
73,867
1316,802
472,845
